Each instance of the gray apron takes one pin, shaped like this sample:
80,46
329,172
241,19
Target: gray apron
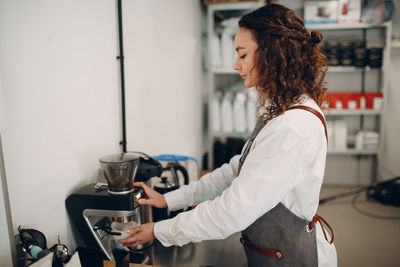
279,237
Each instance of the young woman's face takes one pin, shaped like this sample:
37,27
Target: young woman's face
245,62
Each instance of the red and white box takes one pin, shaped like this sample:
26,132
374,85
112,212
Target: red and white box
355,101
349,11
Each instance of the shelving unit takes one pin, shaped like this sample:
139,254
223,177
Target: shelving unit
215,14
360,116
363,118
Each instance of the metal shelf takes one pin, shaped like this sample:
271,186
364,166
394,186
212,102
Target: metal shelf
350,69
338,26
224,70
225,11
352,112
352,151
234,6
231,135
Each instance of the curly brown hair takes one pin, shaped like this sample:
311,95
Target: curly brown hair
289,60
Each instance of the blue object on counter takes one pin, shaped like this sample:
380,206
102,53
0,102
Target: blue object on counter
330,21
35,250
169,157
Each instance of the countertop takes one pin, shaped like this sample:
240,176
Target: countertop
212,253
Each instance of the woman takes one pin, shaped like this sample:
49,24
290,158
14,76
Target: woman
271,191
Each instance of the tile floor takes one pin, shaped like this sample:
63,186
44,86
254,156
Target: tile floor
361,240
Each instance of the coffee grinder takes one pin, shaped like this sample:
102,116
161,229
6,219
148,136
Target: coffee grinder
94,207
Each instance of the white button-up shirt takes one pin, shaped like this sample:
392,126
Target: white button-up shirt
286,164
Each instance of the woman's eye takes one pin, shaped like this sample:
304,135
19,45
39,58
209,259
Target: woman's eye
243,56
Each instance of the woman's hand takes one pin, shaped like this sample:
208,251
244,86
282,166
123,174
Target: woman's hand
152,197
141,234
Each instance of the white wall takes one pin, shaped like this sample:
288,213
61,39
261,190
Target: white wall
5,233
163,60
390,166
61,100
5,246
61,96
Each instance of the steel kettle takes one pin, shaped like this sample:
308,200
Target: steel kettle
170,180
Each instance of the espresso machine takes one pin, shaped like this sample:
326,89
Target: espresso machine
94,207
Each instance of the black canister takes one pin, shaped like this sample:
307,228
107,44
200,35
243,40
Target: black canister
332,49
346,53
333,61
360,54
375,57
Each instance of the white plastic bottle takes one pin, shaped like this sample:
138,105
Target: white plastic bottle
239,113
216,112
227,48
215,53
363,104
340,135
227,113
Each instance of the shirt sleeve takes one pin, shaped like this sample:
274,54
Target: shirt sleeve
208,187
271,170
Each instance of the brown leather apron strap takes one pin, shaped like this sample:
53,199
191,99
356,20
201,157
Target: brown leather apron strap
316,113
321,220
316,217
274,253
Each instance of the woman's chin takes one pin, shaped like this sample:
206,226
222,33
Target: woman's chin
248,84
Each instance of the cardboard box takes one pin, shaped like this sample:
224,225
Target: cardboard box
320,12
349,11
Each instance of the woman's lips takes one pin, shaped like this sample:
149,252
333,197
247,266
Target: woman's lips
243,76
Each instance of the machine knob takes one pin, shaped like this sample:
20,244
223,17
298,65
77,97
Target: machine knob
136,196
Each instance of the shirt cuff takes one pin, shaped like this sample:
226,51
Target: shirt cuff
175,200
162,233
159,228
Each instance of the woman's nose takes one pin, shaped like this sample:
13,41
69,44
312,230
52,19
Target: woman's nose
236,66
